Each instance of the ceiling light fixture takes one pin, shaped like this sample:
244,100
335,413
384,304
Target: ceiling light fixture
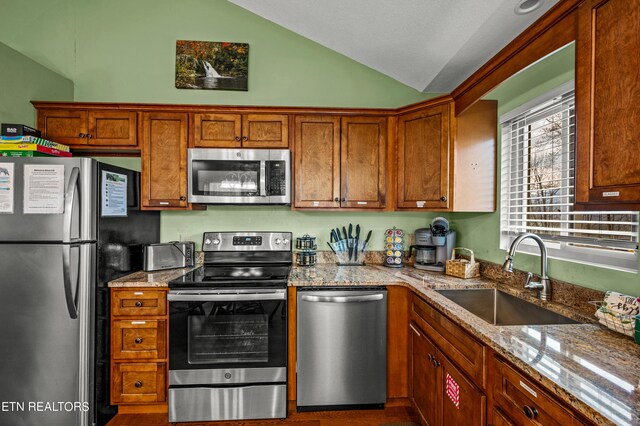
527,6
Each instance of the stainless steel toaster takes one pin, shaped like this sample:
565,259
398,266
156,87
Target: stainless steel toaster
176,254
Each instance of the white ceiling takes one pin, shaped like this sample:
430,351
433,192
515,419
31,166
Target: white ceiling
430,45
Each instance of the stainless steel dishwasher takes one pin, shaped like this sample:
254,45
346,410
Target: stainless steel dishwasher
341,348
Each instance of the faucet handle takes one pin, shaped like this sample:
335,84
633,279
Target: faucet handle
527,281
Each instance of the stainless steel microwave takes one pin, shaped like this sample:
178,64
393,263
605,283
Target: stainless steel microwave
239,176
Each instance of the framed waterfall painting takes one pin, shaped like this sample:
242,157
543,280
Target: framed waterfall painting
212,65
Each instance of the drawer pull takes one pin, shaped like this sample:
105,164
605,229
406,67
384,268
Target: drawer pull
138,293
138,340
138,304
138,384
138,322
530,412
528,389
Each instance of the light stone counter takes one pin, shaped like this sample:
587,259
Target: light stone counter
150,279
592,369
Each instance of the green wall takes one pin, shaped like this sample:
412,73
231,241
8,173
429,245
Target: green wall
21,80
124,51
190,225
481,232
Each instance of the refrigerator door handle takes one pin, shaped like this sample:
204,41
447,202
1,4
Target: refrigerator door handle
69,198
72,299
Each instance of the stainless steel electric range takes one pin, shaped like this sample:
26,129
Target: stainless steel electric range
228,330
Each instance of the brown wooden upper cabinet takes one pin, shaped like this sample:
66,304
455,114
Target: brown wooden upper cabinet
220,130
424,154
90,129
164,160
607,105
340,162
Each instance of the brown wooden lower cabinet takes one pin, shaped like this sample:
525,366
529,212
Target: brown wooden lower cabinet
139,348
134,339
138,382
499,419
423,377
524,402
440,393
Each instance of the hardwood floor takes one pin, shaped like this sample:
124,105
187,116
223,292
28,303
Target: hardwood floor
391,416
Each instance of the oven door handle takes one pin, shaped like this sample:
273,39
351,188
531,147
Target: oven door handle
343,299
224,297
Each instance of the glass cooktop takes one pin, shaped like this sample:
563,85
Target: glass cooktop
234,276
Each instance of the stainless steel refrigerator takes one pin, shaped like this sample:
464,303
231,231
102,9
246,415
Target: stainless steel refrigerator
67,227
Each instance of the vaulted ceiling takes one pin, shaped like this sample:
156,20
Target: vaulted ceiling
430,45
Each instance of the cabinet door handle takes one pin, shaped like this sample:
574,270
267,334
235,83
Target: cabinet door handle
139,304
82,135
89,135
244,139
343,199
443,198
138,340
414,329
237,138
337,199
138,384
182,198
530,412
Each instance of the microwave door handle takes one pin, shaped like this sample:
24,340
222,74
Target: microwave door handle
263,178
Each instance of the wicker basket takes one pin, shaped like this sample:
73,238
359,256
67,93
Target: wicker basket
462,268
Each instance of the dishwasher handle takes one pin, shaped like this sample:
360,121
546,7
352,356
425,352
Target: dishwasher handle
343,299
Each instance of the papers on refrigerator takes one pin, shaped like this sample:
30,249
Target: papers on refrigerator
43,188
114,194
6,187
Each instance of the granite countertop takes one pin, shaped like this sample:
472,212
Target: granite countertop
591,368
150,279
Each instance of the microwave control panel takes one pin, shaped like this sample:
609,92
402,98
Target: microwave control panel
277,177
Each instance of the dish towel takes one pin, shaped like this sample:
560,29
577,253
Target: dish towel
618,312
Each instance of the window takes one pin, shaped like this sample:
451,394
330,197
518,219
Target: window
538,189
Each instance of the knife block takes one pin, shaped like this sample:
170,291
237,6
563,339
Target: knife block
341,250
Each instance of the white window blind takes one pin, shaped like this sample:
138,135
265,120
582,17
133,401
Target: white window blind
537,196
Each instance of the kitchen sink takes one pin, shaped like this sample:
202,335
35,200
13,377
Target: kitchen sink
500,308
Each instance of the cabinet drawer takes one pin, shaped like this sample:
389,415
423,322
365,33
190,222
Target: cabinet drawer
138,302
525,402
139,339
138,383
465,351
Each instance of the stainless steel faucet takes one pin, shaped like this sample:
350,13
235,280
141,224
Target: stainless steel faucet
544,285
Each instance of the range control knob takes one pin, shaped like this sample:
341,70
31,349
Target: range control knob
216,241
207,241
286,241
278,241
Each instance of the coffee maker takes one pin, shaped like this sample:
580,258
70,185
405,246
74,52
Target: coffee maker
434,245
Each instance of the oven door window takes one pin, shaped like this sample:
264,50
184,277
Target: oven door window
218,338
235,178
227,334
